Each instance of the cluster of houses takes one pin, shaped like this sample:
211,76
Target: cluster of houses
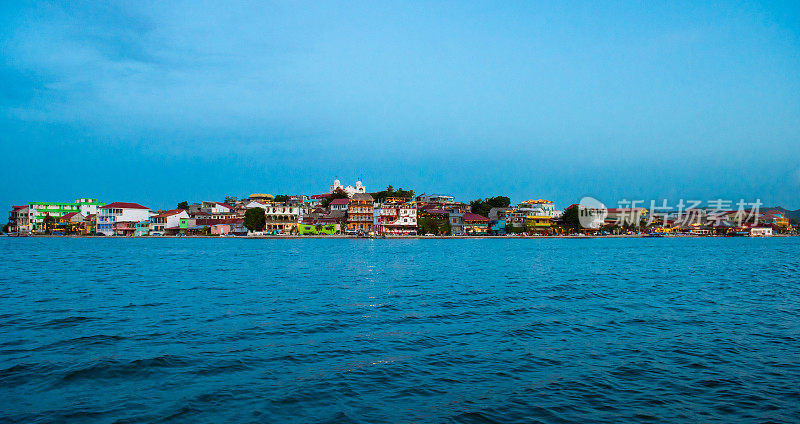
353,210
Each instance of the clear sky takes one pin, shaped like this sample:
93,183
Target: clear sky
158,102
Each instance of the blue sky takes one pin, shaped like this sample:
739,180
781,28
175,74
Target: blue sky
158,102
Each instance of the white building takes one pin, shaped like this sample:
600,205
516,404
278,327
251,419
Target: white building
88,206
395,218
761,231
435,198
283,219
113,213
20,219
350,190
339,204
540,207
169,220
214,208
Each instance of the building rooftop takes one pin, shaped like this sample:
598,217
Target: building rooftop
469,216
123,205
168,213
340,201
362,197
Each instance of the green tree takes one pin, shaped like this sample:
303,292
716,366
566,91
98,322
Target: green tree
182,205
49,223
337,194
571,218
5,227
282,198
230,200
512,229
391,192
430,225
254,219
483,206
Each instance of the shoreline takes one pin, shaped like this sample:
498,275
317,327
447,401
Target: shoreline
343,236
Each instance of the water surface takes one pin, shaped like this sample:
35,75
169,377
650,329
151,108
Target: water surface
315,330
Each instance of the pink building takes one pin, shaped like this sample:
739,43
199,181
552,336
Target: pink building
220,229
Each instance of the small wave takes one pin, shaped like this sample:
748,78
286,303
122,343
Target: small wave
67,322
114,369
78,342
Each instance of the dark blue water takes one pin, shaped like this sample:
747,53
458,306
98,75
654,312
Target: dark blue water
227,330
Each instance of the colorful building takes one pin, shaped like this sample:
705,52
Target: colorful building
167,223
118,212
282,218
72,223
475,225
41,211
359,213
316,229
395,218
538,224
142,229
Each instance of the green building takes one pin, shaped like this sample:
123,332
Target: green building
42,210
316,229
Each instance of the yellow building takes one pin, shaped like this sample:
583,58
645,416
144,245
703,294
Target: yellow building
538,223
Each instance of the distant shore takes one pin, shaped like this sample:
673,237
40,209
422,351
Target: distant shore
345,236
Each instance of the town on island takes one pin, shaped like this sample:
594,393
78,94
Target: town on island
351,211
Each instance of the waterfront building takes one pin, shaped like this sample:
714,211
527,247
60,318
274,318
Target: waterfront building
337,218
359,213
317,229
71,223
167,223
456,218
90,223
500,218
142,229
119,212
123,228
395,217
475,224
538,224
282,218
339,204
16,216
88,206
42,210
221,229
350,190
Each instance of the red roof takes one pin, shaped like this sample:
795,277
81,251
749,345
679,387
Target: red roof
469,216
320,196
124,205
168,213
225,204
340,201
68,215
19,207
